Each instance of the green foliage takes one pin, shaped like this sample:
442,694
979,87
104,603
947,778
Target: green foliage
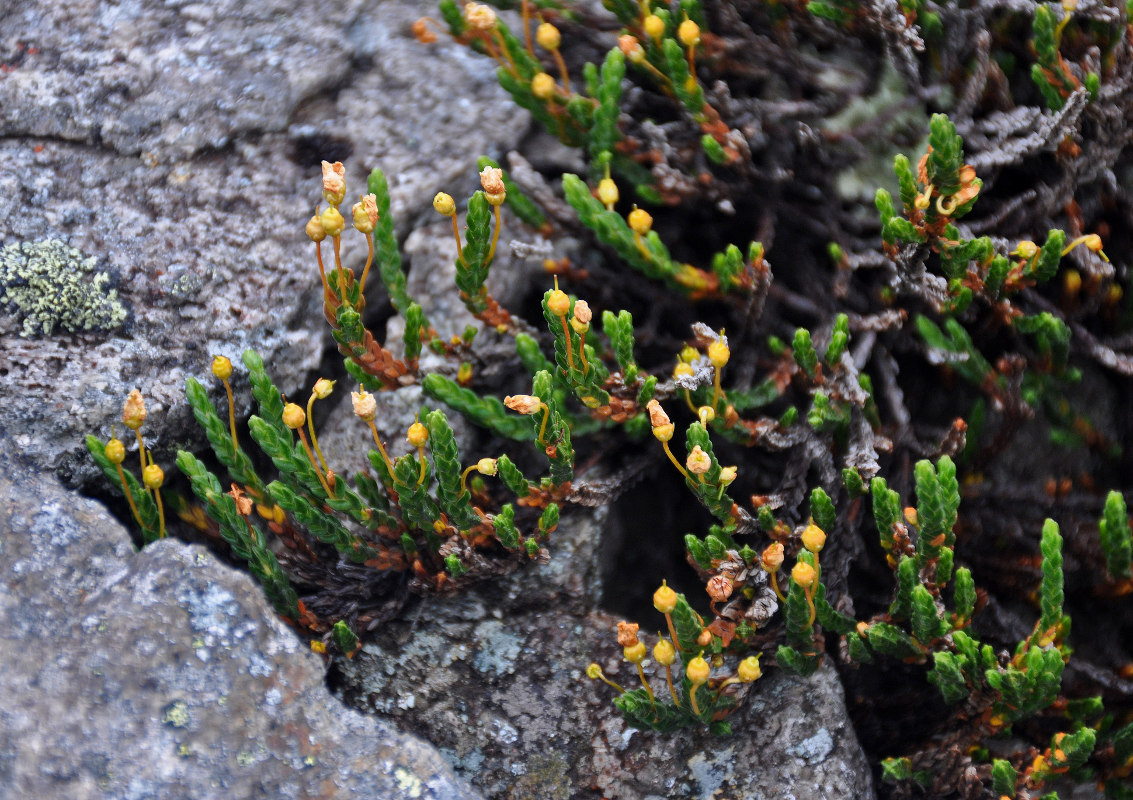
1003,778
486,411
604,133
1115,536
473,264
804,353
451,497
150,521
344,638
246,541
387,254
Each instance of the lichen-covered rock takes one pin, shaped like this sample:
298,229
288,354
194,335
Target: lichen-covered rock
177,145
165,673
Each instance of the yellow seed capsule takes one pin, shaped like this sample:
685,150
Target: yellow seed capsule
640,221
1072,282
749,669
664,653
315,230
803,574
689,33
718,353
153,476
635,654
115,451
727,475
293,416
543,86
558,302
221,367
593,671
323,388
698,671
417,435
365,213
688,354
681,369
548,37
654,27
814,538
1025,249
665,599
444,204
486,466
705,638
608,192
664,433
332,221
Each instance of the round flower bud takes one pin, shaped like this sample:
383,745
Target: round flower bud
749,670
718,353
543,86
772,557
417,434
727,475
814,538
332,221
640,221
1025,249
665,599
635,654
706,415
664,653
548,37
486,466
689,33
698,462
593,671
664,433
315,230
479,17
365,405
293,416
719,588
134,410
523,403
698,671
444,204
366,213
803,574
608,192
681,369
115,451
654,26
322,388
153,477
558,302
221,367
705,638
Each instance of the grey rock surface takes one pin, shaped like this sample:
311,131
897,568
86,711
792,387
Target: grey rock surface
178,145
165,673
496,679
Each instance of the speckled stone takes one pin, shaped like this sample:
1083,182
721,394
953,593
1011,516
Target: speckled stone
166,674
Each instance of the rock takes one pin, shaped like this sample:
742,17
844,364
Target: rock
496,678
165,673
177,145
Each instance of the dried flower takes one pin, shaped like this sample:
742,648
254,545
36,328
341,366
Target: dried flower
698,462
366,213
492,182
627,633
523,403
334,182
772,557
243,502
479,17
365,405
134,410
719,588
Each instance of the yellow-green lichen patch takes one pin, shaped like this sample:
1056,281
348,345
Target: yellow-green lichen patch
49,284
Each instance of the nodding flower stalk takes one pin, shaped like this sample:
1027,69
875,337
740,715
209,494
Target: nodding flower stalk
663,430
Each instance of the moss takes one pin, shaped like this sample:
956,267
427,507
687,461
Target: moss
49,285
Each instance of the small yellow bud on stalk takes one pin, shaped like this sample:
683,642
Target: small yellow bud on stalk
417,434
697,672
654,27
594,672
608,193
323,388
749,669
718,353
332,221
315,231
293,416
221,367
688,32
631,48
640,221
543,86
115,451
666,655
558,302
548,37
803,574
813,538
665,599
444,204
153,476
